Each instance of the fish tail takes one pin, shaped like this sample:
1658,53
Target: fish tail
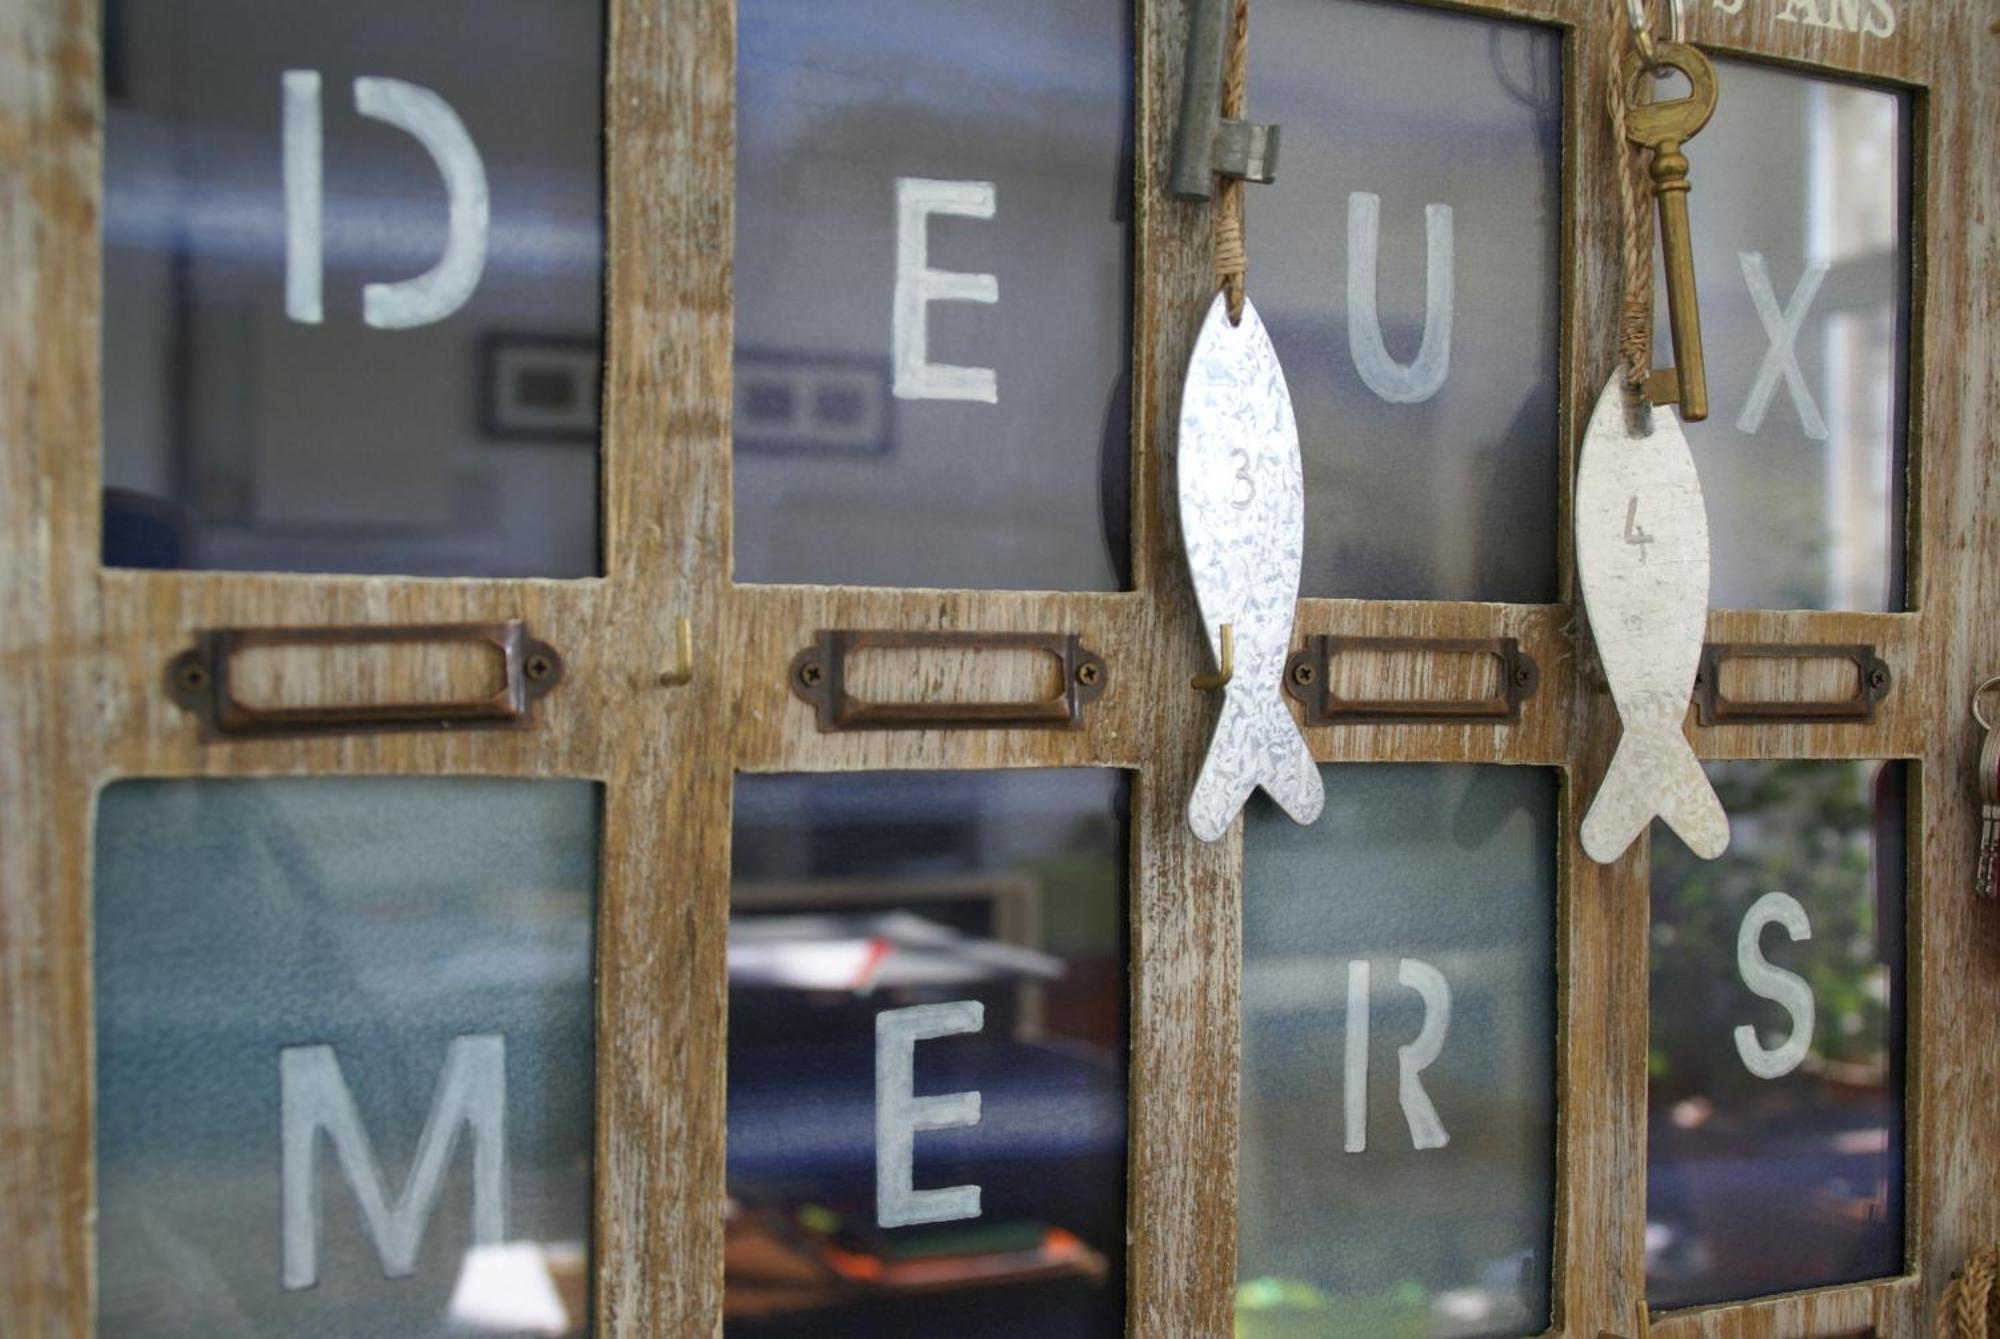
1654,775
1225,782
1290,775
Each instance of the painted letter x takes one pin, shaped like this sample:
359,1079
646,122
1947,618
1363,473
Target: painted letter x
1782,357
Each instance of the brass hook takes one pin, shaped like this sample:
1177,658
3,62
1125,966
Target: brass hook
1208,683
683,673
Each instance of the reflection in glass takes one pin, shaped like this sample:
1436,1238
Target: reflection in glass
1398,1135
858,901
1775,1116
359,368
1802,254
890,156
1407,267
301,987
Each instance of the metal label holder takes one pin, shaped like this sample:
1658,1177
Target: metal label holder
1714,707
198,681
818,676
1308,678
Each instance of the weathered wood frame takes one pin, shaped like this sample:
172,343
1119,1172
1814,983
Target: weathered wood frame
81,702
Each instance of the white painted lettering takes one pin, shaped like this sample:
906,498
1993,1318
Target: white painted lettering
918,285
1881,19
1774,983
313,1096
443,289
1354,1088
1781,357
305,267
1426,1130
899,1113
1844,15
1801,11
1730,6
1396,382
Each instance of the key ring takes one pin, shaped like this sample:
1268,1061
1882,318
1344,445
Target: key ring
1642,32
1977,714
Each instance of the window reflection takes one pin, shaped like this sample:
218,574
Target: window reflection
1775,1104
933,293
1799,211
343,1057
1408,268
858,903
353,266
1397,1172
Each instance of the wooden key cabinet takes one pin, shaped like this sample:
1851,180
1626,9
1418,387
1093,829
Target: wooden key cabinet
602,686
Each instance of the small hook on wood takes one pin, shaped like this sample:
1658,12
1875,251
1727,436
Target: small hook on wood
1209,683
683,673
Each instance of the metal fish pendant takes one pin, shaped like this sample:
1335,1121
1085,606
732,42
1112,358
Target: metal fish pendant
1242,495
1642,555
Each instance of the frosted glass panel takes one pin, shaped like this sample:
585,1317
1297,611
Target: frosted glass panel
1775,1108
344,1058
1398,1135
1799,212
933,292
1426,381
897,940
353,279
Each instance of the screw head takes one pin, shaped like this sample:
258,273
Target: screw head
191,677
1088,673
1521,675
1302,673
539,667
810,674
1878,678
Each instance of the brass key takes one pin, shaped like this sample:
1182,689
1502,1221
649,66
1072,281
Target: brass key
1663,127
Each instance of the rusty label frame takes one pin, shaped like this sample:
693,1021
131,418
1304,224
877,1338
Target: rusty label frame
1308,678
1714,707
197,680
818,675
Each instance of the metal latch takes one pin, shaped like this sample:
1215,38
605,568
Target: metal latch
1206,143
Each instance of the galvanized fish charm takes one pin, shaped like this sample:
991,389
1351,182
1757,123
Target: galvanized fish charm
1242,495
1642,555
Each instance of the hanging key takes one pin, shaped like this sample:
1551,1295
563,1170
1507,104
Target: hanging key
1664,127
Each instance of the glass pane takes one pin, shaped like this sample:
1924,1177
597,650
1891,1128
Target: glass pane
353,276
1407,266
1801,251
344,1061
1399,1030
927,1056
1775,1108
933,292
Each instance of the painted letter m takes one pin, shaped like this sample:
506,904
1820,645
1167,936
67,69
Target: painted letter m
313,1096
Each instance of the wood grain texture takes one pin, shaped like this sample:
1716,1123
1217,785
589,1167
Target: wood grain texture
81,703
48,640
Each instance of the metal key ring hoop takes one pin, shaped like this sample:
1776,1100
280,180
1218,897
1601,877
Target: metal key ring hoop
1642,32
1977,714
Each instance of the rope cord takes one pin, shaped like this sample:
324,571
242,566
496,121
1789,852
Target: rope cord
1635,218
1232,264
1967,1309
